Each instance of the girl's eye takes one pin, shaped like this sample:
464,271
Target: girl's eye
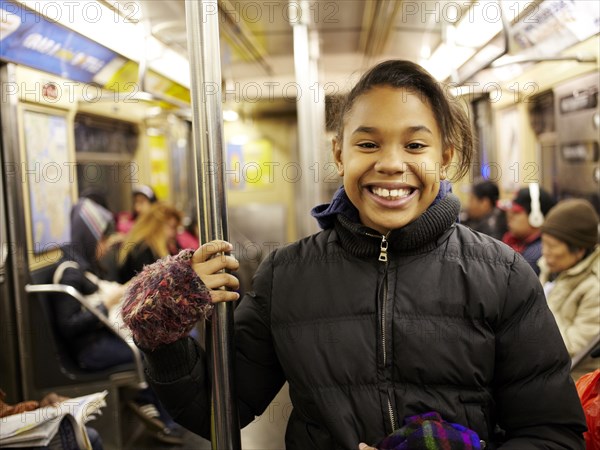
367,145
415,146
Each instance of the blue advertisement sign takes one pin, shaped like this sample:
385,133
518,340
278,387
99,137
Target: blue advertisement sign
28,38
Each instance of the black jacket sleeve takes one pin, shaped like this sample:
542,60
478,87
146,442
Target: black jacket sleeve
259,375
539,409
72,319
179,374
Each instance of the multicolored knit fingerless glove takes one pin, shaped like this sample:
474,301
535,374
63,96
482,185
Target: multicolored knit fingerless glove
429,432
164,301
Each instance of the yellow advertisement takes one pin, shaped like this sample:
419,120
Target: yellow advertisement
159,166
126,79
250,166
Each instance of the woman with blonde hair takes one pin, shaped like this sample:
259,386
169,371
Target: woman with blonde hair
152,237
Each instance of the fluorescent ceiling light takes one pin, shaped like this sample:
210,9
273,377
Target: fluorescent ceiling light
154,111
508,72
240,139
123,34
153,131
470,36
230,115
479,25
445,59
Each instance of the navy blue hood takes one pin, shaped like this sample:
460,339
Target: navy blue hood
341,204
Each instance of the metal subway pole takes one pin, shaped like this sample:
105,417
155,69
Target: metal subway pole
311,113
202,21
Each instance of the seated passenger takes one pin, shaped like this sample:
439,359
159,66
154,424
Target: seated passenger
64,439
523,235
483,215
97,195
570,271
152,237
143,198
92,345
91,227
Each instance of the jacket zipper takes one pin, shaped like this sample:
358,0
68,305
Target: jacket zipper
383,249
383,257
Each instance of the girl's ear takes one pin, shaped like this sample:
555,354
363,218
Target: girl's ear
446,160
337,155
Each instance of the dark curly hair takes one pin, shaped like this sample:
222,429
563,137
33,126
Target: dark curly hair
451,117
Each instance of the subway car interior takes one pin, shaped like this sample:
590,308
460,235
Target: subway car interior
102,96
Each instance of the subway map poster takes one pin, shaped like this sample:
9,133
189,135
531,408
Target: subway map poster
50,176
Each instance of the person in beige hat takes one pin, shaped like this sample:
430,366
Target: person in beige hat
570,271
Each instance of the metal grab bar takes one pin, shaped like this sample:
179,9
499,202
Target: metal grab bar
208,150
71,291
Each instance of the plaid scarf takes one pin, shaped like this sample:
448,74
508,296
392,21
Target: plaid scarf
429,432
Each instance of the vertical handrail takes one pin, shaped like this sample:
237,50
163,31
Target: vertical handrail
311,114
10,157
202,22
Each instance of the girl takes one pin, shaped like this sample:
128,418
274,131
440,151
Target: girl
393,311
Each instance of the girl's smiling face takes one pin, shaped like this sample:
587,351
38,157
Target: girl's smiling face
391,157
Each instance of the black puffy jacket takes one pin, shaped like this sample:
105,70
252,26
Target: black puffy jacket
453,322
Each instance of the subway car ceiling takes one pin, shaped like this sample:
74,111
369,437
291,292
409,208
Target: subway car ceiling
473,45
128,60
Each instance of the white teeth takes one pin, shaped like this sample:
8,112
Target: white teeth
392,194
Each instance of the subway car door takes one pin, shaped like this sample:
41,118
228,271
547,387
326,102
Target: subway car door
578,120
9,349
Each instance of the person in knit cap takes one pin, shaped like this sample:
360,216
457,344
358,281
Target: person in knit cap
570,271
523,234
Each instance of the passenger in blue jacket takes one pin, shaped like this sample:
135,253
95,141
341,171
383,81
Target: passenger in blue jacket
394,325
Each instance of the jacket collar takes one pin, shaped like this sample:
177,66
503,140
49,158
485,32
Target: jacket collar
340,204
416,237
